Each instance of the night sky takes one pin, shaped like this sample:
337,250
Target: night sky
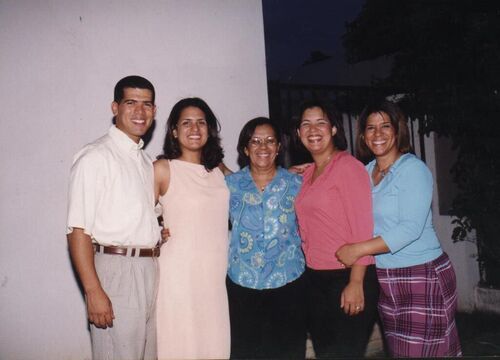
295,28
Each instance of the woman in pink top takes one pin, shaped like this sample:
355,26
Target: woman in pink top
334,208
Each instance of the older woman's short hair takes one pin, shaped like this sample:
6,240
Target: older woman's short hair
397,119
247,133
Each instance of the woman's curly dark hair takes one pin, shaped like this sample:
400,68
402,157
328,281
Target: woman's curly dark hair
211,153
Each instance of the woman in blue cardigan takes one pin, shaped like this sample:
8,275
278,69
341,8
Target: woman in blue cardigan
418,295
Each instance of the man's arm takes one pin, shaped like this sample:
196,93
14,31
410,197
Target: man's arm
99,308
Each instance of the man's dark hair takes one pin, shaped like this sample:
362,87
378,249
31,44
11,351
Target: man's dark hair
212,153
135,82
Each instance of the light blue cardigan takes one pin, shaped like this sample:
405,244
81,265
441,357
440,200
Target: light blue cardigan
402,214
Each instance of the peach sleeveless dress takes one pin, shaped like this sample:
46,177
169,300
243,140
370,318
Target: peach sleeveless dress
192,309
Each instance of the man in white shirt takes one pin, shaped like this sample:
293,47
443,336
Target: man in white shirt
113,231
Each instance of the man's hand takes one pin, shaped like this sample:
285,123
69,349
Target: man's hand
99,308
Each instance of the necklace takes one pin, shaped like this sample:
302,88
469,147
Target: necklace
262,183
320,167
266,182
383,172
323,163
262,187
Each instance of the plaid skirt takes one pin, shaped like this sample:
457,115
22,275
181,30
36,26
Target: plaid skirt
417,307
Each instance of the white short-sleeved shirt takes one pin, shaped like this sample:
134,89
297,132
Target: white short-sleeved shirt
111,192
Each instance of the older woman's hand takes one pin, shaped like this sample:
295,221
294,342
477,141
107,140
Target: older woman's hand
348,254
299,169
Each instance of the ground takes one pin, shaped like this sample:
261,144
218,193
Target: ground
479,334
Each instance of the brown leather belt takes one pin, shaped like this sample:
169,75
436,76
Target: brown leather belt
126,251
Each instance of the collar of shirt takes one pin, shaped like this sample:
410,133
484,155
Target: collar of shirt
252,187
390,172
324,176
402,159
123,141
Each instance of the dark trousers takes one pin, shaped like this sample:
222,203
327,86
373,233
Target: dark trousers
334,333
267,323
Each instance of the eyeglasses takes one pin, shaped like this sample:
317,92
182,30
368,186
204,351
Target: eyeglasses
256,142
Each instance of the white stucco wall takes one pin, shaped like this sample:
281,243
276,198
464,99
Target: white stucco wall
462,254
59,62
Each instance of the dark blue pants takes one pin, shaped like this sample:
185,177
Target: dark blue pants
268,323
334,333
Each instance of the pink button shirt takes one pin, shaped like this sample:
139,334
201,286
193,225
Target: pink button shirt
335,209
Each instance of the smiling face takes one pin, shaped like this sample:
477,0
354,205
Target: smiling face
135,112
262,148
191,130
316,131
380,136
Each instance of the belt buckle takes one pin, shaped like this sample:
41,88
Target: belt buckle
156,251
97,248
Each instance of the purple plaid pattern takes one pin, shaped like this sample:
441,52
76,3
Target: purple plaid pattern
417,306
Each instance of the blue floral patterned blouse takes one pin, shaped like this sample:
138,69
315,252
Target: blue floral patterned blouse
265,247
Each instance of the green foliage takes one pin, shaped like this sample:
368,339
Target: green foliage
446,56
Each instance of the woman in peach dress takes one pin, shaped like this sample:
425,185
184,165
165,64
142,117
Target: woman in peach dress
192,308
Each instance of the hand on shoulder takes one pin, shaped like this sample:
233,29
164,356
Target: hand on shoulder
299,169
225,170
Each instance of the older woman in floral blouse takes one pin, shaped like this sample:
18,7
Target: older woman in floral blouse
266,265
